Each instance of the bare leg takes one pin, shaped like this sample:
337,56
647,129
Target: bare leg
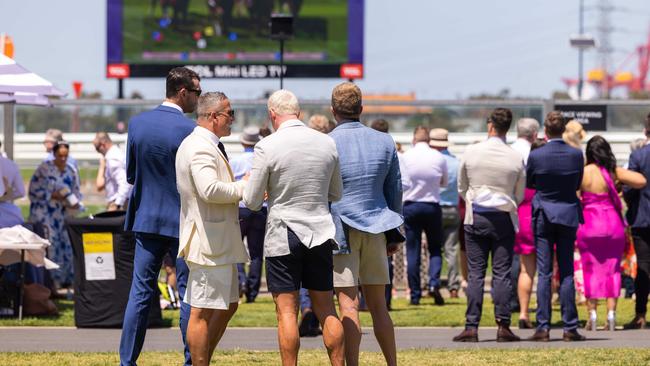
525,285
286,310
198,338
218,324
349,307
592,304
611,303
381,322
332,327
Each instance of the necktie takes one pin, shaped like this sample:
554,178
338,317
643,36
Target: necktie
223,150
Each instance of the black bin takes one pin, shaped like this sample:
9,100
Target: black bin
100,303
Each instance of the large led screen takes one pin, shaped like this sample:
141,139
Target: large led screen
231,38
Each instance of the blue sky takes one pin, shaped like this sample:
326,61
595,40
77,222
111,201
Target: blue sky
436,49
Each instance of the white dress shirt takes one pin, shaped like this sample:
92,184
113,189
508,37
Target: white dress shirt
117,188
172,105
522,146
12,182
426,169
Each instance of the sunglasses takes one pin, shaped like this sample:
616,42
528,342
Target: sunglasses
230,113
197,91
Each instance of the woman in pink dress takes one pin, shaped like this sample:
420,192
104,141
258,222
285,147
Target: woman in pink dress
601,239
525,248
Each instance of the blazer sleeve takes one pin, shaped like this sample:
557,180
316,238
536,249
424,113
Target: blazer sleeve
393,185
520,186
130,159
336,183
530,172
206,180
463,180
258,180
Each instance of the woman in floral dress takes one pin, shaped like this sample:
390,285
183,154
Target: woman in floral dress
52,183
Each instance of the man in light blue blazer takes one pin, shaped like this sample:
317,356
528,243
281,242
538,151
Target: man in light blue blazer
154,205
371,206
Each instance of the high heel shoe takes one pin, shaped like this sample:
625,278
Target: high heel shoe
591,325
525,324
611,325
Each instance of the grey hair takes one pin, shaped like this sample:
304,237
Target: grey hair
208,101
637,144
103,137
283,102
527,127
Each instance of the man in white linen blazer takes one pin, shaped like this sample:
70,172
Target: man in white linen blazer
299,169
209,235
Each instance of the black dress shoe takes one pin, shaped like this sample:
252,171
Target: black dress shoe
525,324
504,334
468,335
540,335
437,297
637,323
573,336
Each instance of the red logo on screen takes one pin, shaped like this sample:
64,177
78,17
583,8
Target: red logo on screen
118,71
352,71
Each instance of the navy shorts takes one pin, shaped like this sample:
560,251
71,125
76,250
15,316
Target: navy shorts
310,268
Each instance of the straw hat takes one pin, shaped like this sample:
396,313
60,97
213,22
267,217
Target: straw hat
439,137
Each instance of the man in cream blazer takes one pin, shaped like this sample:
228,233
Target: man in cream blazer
209,240
299,169
491,180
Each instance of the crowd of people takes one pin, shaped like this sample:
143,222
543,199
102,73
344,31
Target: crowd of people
326,204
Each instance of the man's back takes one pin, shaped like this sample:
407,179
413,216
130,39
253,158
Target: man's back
640,162
555,172
300,168
154,137
427,171
493,165
372,190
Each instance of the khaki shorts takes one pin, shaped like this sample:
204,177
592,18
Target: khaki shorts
212,287
367,264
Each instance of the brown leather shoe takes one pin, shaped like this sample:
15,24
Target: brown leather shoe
468,335
637,323
504,334
573,336
453,294
540,335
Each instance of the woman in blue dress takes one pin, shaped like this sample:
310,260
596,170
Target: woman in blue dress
51,192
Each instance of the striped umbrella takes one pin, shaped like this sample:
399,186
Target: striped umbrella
20,86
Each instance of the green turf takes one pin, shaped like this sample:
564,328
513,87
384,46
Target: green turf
413,357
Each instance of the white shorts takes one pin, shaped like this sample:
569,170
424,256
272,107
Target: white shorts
212,287
367,264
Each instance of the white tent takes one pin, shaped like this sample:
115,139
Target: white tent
20,86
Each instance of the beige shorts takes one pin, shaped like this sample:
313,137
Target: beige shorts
367,264
212,287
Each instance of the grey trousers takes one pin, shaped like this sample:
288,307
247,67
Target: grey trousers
450,223
492,232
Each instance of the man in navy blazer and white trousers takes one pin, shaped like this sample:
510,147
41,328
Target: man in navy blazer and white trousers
555,172
154,206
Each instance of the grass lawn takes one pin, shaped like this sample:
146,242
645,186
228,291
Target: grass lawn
262,314
619,356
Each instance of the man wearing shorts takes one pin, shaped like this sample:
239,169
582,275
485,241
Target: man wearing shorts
370,207
298,167
210,240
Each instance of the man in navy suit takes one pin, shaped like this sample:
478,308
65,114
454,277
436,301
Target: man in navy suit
154,206
555,171
639,218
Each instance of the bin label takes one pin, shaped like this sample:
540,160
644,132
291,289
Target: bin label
98,256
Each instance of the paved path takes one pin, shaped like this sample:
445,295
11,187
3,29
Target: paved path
37,339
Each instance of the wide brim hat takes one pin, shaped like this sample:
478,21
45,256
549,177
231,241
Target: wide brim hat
439,137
